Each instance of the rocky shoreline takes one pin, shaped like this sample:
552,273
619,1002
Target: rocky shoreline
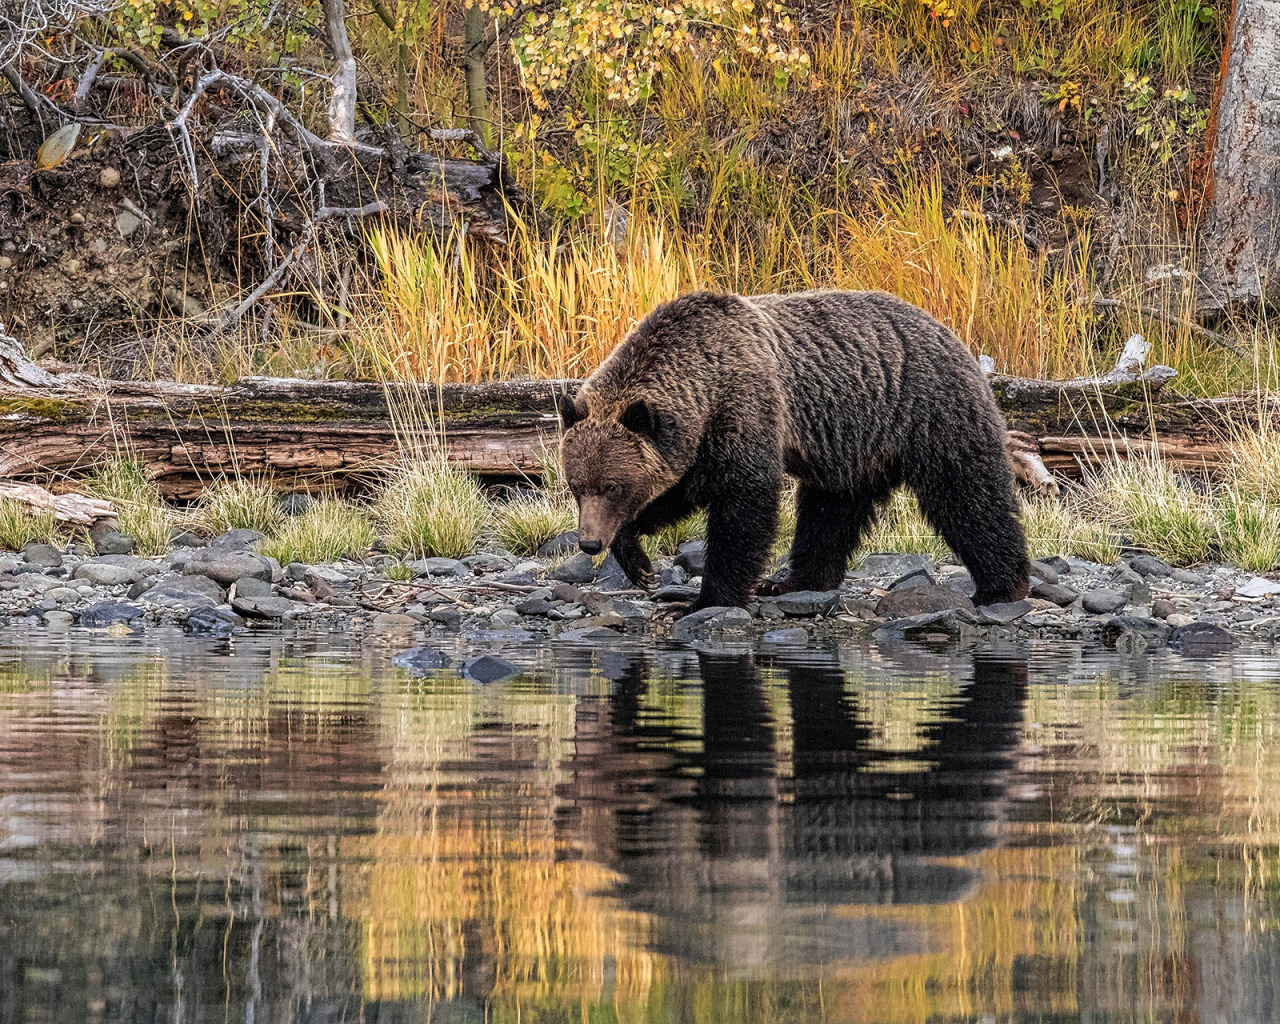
224,585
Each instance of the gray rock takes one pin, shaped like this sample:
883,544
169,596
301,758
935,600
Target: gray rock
269,607
692,557
921,625
108,613
611,577
105,575
1259,586
1131,634
486,668
213,621
250,586
1161,608
505,618
1055,562
337,581
882,564
44,556
1001,613
673,576
794,635
565,592
676,593
446,615
588,633
393,620
182,595
1193,579
294,504
561,544
802,604
1055,592
1149,565
596,603
575,569
421,659
1103,602
633,611
441,567
1047,573
709,622
237,540
58,619
113,542
920,600
915,578
536,605
1199,639
142,566
226,565
487,561
187,539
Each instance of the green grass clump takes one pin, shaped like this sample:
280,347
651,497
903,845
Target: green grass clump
902,529
430,509
667,541
20,524
238,503
527,521
400,571
328,530
142,513
1249,530
1255,464
1056,528
1161,515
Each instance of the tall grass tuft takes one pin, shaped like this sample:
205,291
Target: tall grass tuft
1145,498
142,513
527,521
901,527
20,524
1249,528
429,508
1056,528
667,541
328,530
238,503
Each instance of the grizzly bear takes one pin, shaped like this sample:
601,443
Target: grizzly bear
713,398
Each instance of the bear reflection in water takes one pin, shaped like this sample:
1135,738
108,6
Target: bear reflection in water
744,854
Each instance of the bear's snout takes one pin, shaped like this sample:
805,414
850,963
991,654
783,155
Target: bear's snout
591,547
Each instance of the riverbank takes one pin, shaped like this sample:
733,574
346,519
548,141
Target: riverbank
493,599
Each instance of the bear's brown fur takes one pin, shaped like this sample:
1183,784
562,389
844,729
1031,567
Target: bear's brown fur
714,397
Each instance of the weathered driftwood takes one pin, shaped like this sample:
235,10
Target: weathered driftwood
77,509
333,433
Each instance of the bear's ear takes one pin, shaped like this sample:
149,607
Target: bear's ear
640,418
569,410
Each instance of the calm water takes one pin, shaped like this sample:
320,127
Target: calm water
291,829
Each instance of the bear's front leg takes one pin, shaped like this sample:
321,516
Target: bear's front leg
626,548
742,522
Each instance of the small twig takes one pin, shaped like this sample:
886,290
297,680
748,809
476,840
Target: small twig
1196,330
267,284
355,212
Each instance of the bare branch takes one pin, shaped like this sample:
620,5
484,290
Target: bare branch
342,104
1194,329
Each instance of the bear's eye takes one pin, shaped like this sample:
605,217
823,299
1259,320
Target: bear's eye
612,490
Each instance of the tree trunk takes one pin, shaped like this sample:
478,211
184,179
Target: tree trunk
342,105
477,46
334,434
1240,237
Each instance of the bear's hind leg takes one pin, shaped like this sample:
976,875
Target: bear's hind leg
829,527
972,506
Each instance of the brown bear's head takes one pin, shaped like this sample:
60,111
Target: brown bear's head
612,465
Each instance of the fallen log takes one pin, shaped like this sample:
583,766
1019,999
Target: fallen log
335,434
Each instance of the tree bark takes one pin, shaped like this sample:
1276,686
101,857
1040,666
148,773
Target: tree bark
342,104
1240,237
477,46
334,434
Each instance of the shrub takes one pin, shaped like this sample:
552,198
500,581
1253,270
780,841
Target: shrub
328,530
431,509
